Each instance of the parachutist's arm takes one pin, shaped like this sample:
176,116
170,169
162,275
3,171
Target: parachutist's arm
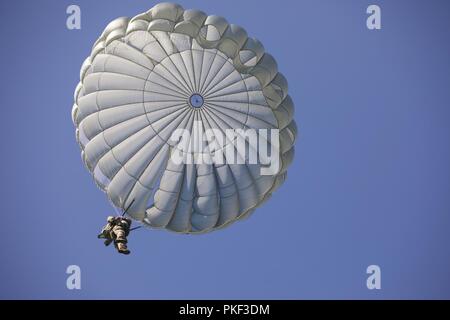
104,234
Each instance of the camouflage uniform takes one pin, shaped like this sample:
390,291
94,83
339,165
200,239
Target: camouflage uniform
117,231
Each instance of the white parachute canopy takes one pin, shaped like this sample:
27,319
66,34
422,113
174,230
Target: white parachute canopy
169,69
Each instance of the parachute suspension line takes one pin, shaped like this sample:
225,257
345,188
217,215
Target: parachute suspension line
116,209
135,228
129,206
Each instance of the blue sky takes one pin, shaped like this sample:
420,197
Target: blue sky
369,183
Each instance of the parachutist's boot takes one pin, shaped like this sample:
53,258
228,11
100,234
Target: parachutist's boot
122,248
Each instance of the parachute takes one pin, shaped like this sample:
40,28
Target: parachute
169,69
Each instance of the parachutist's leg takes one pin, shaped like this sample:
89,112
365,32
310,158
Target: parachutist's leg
121,241
122,248
120,235
108,242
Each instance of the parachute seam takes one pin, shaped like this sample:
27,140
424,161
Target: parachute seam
170,58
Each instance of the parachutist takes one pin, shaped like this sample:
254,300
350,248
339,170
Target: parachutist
116,230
